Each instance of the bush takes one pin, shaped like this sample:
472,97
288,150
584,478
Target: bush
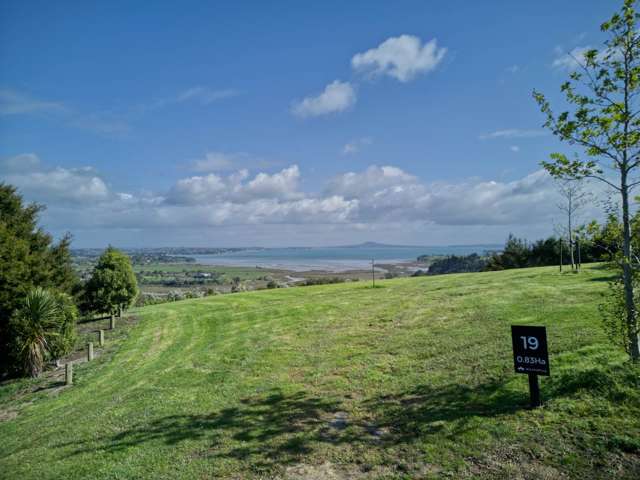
63,343
44,328
322,281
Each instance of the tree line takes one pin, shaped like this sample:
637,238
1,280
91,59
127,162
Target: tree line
593,242
41,296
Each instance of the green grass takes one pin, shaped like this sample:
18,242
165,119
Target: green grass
244,273
411,380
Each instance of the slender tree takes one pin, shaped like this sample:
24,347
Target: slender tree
574,198
603,120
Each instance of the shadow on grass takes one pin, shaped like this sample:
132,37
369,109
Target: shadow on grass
278,429
428,410
609,278
269,430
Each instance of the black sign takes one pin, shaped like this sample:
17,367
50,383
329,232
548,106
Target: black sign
530,349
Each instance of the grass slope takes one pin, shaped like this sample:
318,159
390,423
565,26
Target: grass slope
410,380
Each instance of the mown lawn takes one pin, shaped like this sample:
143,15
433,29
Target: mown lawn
410,380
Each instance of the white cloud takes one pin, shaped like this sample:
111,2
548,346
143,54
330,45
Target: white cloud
514,148
570,61
355,145
388,194
102,123
222,161
52,184
374,178
205,95
15,103
401,57
78,198
513,133
214,161
20,163
574,59
236,187
513,69
336,97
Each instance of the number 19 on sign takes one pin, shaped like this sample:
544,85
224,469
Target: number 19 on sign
530,356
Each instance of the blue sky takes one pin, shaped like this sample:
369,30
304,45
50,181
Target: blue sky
205,123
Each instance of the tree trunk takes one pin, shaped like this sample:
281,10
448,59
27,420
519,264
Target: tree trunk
571,248
561,254
627,274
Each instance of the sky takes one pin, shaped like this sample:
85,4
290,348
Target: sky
287,123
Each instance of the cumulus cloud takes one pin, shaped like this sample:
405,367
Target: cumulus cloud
336,97
388,194
78,198
402,58
355,145
52,184
513,133
236,187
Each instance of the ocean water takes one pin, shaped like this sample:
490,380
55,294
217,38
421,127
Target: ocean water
333,258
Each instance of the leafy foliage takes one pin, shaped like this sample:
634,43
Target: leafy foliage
35,325
113,286
614,315
62,344
29,259
458,264
604,121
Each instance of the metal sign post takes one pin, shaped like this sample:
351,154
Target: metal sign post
373,272
530,356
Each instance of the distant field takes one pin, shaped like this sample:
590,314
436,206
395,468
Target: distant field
242,272
410,380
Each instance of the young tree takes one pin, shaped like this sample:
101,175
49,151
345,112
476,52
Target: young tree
113,286
573,199
604,121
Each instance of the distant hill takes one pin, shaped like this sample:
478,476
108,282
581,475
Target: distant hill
378,245
488,246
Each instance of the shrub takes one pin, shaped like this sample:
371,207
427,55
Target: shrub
63,343
44,326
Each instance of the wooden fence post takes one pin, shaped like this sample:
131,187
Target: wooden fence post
101,338
68,373
89,351
112,322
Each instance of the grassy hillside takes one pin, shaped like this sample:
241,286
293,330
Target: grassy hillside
410,380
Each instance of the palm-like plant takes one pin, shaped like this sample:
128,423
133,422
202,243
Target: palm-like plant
34,326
